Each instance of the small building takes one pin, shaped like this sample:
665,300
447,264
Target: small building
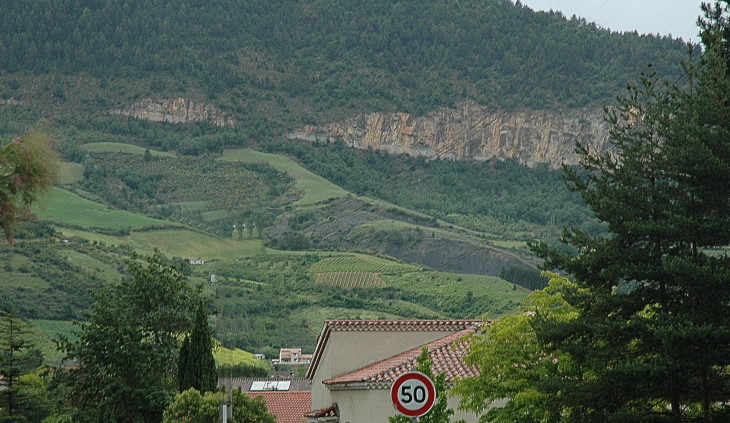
196,261
292,356
356,362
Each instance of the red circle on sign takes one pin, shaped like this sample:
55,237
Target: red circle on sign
413,394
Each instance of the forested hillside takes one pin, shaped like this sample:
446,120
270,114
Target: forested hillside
274,62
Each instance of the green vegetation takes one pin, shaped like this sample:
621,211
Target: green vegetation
27,169
68,208
128,350
642,332
329,61
314,188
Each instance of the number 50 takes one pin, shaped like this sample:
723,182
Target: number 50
418,395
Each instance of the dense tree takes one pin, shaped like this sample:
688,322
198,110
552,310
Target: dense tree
16,359
518,376
127,351
196,365
192,406
653,340
27,168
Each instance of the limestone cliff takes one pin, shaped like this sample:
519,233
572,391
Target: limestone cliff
471,132
179,110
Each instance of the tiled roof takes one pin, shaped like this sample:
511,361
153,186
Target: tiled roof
446,353
288,407
384,326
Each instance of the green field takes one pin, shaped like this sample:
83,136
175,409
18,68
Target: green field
68,173
349,280
224,355
65,207
48,330
360,263
188,243
116,147
314,188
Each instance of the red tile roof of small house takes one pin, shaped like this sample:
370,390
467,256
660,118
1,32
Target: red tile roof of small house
384,326
447,354
288,407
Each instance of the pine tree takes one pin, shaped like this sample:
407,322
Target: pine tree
196,365
653,340
16,360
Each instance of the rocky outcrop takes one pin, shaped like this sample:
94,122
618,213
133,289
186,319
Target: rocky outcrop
10,102
471,132
179,110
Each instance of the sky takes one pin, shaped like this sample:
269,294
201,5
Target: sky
665,17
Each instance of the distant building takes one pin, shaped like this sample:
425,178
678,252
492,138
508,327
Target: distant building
259,357
196,261
292,356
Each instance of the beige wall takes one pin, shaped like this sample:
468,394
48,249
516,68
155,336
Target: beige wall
374,406
355,350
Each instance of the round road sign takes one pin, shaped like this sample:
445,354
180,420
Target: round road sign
413,394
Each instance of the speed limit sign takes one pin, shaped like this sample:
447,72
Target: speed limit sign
413,394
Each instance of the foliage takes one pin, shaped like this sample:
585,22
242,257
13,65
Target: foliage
242,370
127,351
652,341
196,365
192,406
440,412
27,168
21,399
514,366
337,58
243,191
492,197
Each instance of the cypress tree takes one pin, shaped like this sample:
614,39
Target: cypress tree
196,364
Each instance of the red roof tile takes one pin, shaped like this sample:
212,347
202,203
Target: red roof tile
384,326
446,354
288,407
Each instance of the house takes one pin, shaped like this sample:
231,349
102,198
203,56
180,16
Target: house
196,261
356,362
288,399
292,356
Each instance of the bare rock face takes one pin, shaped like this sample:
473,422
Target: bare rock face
179,110
471,132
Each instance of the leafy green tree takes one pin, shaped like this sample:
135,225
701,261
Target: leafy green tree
127,351
517,374
192,406
27,168
440,412
16,360
196,365
653,340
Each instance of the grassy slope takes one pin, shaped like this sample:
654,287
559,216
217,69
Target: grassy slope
314,188
67,208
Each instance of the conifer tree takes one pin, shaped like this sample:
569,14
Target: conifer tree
16,359
196,365
653,340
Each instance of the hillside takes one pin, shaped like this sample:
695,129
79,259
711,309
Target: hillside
176,124
277,63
